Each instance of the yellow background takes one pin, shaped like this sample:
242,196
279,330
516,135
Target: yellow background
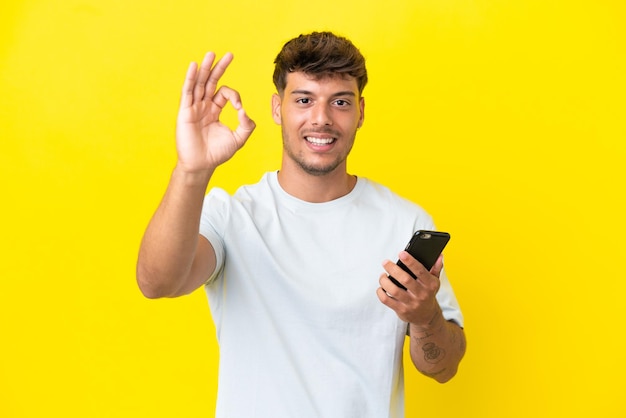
504,119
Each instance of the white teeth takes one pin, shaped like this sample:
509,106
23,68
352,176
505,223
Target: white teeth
319,141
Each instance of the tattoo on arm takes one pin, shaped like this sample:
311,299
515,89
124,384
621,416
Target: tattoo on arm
432,353
424,336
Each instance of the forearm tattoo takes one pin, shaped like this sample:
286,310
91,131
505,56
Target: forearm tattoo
433,353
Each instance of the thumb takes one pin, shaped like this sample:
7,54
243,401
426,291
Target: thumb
245,128
438,266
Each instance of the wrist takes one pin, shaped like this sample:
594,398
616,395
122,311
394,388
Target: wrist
192,178
435,322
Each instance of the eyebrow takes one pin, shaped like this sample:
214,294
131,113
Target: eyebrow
338,94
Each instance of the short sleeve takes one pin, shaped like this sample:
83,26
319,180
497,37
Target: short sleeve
215,213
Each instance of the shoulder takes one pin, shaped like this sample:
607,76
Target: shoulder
257,190
244,192
395,205
375,190
246,200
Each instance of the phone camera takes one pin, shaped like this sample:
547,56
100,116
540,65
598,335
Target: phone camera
425,236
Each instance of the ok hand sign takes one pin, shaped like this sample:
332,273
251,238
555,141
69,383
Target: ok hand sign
202,141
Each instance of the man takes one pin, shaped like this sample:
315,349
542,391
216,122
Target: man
290,264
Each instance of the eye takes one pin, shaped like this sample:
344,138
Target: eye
342,103
304,100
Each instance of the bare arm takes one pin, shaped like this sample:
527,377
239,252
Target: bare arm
437,346
173,258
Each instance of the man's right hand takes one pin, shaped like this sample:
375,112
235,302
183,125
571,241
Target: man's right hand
173,259
202,141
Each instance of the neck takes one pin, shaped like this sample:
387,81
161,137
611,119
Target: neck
316,189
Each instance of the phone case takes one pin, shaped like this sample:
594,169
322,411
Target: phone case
425,247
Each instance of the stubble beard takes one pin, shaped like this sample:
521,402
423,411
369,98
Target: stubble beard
317,170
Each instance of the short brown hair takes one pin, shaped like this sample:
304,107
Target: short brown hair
320,54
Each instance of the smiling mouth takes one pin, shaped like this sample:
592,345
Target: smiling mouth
319,141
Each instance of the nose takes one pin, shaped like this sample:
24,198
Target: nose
321,115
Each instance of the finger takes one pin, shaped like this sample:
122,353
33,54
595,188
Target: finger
203,75
245,128
386,284
398,274
392,289
386,297
217,72
390,301
225,95
425,281
190,79
415,266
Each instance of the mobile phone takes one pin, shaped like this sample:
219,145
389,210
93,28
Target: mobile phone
425,247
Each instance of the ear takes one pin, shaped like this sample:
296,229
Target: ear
276,102
362,108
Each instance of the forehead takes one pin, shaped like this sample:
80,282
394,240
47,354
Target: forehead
321,84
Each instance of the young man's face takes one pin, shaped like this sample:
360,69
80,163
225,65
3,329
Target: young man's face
319,120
